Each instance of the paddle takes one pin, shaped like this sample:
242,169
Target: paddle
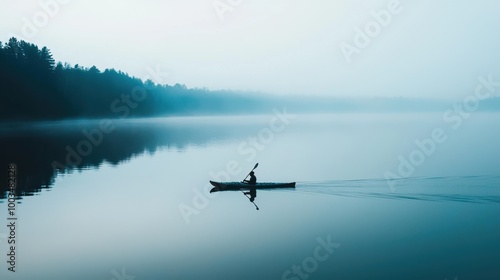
257,164
256,207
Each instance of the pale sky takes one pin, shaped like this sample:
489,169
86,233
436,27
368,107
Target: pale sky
434,49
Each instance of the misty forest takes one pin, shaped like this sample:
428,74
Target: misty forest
35,87
31,77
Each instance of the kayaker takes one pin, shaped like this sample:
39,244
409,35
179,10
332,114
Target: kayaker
253,191
253,179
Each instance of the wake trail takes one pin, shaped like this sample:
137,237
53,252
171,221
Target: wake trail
467,189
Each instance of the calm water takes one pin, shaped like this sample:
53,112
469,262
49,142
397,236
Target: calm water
135,201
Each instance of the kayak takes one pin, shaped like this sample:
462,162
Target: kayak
236,186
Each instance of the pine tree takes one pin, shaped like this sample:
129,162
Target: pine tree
48,61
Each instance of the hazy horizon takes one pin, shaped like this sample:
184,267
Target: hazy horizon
284,47
371,129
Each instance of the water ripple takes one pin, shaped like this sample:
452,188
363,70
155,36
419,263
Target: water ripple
465,189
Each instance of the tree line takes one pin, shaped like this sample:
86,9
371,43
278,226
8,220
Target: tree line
35,87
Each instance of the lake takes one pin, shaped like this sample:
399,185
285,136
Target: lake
378,196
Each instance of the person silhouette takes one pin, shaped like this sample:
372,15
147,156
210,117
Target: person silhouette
252,191
253,179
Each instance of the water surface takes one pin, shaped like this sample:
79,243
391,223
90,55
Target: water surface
138,203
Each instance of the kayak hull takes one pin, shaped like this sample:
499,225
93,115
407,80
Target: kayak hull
236,186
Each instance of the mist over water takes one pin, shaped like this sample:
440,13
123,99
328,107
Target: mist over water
120,207
372,128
